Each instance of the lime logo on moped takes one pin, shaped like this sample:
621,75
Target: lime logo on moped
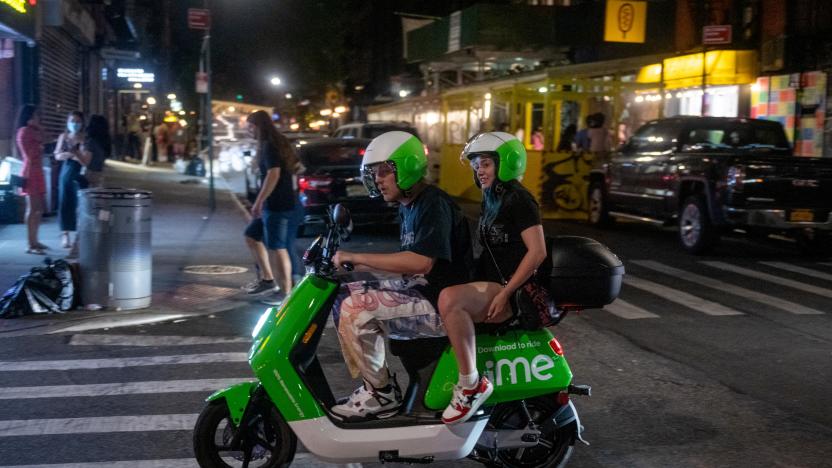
520,366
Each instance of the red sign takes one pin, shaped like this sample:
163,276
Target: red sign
199,18
720,34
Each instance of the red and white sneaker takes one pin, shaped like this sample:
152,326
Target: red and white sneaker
465,402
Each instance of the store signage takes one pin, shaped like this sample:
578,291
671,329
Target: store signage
719,34
136,75
20,5
455,32
625,21
199,18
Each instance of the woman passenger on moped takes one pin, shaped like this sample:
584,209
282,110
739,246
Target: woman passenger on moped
511,235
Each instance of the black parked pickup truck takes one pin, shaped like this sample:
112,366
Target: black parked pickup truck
711,176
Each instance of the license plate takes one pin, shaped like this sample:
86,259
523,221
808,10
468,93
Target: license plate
356,191
801,216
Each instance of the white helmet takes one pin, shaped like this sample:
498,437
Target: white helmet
404,151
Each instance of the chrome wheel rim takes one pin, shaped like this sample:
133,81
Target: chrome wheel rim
690,225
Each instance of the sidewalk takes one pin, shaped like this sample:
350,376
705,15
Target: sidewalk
185,233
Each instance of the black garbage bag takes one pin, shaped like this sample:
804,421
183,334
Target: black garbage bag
46,289
196,167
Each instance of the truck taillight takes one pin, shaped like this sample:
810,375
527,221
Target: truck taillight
735,177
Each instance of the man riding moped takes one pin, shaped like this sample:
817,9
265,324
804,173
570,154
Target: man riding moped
435,253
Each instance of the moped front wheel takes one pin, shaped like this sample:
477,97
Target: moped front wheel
266,440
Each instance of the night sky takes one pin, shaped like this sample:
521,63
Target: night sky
310,44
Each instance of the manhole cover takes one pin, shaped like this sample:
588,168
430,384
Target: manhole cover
214,269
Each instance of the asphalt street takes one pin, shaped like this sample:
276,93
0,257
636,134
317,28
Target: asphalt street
715,361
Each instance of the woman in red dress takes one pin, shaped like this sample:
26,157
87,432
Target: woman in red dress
30,146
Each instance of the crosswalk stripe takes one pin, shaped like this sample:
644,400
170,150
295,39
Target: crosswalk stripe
771,278
121,388
6,366
798,269
94,425
680,297
301,459
623,309
782,304
168,463
152,340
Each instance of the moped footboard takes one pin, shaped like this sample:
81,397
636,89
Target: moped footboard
236,397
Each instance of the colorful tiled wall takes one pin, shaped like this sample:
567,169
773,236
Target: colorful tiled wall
775,97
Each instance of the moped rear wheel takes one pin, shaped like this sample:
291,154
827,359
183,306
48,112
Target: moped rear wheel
556,444
268,442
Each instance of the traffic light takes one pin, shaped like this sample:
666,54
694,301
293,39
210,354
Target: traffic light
240,97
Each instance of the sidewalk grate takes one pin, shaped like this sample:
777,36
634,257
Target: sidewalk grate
214,269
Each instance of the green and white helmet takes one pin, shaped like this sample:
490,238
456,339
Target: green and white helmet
505,148
404,151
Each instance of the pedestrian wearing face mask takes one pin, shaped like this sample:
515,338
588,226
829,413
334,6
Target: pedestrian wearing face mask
73,151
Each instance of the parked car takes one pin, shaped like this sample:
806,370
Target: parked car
370,130
332,175
712,176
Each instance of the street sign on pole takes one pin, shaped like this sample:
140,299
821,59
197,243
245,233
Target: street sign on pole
199,18
201,82
717,34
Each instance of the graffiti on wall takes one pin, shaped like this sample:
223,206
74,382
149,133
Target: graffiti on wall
565,179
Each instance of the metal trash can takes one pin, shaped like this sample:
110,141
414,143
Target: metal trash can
114,245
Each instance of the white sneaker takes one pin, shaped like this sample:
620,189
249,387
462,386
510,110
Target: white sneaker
465,402
367,402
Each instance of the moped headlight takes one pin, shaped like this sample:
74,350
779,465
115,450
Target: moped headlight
260,322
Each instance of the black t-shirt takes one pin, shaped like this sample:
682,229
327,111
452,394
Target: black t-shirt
282,197
433,225
518,211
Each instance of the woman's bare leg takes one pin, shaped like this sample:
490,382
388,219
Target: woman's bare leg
261,257
283,269
462,306
34,213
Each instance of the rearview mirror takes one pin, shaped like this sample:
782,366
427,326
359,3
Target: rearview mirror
340,217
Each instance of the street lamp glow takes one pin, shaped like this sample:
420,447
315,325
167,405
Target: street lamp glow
335,115
151,101
288,96
326,112
340,109
232,109
182,112
542,89
171,96
275,81
404,93
137,85
294,127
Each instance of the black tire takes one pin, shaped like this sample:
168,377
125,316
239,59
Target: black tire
556,443
697,234
215,422
815,244
599,214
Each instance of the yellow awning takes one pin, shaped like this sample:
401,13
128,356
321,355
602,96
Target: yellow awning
722,67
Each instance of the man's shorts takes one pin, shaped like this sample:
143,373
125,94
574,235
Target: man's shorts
395,305
275,229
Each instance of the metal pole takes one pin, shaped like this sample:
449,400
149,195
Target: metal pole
209,119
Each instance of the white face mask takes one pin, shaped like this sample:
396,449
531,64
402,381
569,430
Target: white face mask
73,127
